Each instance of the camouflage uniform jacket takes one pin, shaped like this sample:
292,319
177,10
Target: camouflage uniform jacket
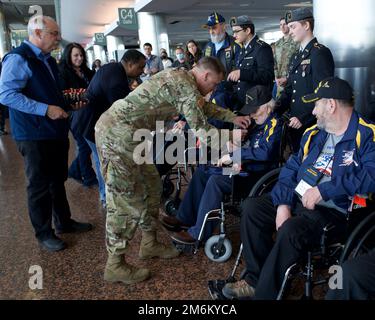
284,50
167,94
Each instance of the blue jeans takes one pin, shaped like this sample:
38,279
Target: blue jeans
205,193
99,176
81,168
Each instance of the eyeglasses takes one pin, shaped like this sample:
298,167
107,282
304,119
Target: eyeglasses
237,31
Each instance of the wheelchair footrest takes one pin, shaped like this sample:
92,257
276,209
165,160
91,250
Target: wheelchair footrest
185,248
215,288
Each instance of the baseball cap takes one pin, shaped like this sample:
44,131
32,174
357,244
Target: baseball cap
331,88
214,19
255,98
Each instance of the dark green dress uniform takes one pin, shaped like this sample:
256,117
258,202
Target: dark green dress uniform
307,68
257,68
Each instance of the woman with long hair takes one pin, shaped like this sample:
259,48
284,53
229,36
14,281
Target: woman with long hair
75,74
193,53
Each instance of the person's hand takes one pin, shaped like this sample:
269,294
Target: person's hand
295,123
154,70
79,105
281,82
224,161
242,122
283,214
55,113
311,198
234,76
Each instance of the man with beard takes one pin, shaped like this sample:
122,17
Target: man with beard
221,46
331,175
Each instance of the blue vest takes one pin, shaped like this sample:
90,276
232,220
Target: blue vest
41,87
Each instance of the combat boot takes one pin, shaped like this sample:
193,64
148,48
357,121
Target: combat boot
151,248
117,270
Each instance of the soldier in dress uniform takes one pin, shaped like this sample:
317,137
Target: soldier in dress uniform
254,63
312,63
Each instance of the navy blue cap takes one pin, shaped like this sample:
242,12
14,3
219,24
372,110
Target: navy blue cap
331,88
214,19
255,98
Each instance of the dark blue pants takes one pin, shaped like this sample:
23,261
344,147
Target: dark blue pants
205,193
81,168
358,279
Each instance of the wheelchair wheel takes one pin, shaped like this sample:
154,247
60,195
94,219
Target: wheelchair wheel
168,187
171,206
265,184
361,240
216,254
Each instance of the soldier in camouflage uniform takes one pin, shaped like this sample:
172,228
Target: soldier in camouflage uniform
133,191
284,49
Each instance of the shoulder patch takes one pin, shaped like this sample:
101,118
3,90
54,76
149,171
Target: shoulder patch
260,42
318,46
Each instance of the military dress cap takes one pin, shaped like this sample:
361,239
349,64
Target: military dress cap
331,88
298,15
241,21
213,19
255,98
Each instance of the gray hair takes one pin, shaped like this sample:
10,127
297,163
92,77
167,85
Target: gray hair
38,22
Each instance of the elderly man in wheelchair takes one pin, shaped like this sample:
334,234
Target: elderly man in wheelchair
318,187
208,185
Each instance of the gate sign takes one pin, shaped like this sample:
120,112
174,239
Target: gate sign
100,39
128,18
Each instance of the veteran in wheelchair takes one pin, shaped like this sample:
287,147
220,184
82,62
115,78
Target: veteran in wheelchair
316,194
208,185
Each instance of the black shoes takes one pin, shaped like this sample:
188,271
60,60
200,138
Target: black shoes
53,244
75,227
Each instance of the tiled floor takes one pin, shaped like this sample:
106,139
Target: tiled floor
77,272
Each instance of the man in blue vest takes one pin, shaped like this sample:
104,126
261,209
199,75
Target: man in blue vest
330,176
39,120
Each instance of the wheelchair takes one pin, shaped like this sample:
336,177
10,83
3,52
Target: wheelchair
358,239
218,248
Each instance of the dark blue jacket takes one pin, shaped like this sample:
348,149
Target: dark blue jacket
108,85
263,145
353,171
227,53
42,88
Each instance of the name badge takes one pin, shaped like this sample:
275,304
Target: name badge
310,179
302,187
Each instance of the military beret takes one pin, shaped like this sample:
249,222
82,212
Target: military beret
241,21
298,15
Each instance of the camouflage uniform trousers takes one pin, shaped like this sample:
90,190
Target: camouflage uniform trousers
133,192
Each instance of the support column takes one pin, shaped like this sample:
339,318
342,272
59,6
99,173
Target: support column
99,53
350,36
4,36
114,44
153,29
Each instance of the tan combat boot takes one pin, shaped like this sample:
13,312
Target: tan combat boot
117,270
151,248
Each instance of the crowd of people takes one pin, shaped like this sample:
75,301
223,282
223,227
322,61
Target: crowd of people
235,81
